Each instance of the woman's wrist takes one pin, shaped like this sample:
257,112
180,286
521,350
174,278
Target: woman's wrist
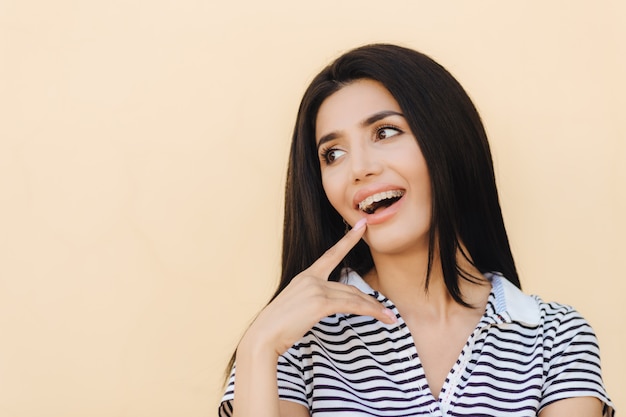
256,388
258,347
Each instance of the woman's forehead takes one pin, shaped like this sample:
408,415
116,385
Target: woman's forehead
352,105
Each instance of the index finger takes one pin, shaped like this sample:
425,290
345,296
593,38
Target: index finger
331,258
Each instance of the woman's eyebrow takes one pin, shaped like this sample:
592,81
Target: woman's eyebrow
379,116
365,123
326,138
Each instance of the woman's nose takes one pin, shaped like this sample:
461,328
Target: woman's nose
364,163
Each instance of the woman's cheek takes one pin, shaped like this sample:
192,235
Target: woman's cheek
335,192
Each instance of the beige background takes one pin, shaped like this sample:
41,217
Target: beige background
143,148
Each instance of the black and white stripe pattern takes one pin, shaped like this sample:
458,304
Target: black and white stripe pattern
523,355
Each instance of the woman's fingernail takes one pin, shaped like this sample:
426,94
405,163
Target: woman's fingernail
390,314
360,224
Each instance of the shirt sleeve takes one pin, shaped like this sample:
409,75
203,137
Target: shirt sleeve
226,405
573,362
291,386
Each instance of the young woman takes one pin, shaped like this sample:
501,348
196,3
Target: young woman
399,295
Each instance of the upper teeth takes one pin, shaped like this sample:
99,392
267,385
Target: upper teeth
375,198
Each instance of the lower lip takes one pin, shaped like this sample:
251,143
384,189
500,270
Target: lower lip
384,214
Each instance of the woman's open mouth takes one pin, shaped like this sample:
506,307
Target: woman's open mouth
380,200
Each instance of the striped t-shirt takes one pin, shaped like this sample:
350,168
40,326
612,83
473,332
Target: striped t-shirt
523,355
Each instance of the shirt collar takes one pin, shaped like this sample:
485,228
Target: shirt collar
509,302
351,277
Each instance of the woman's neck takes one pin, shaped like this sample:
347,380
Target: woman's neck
403,279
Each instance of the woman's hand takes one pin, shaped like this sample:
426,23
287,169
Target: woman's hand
310,297
307,299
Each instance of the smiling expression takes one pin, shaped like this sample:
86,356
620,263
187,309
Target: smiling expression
372,166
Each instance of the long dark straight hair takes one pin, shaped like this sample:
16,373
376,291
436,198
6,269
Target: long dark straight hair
465,207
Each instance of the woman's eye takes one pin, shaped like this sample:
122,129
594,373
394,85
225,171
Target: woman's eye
332,154
386,132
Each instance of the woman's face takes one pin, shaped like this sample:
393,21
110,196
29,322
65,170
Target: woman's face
373,167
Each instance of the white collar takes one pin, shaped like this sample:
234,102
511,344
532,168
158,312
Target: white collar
509,301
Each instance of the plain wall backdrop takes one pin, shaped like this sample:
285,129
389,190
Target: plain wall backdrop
143,150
